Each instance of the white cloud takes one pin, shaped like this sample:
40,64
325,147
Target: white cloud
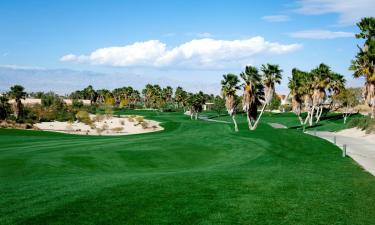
350,11
276,18
320,34
196,54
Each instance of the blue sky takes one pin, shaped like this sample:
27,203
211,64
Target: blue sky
188,43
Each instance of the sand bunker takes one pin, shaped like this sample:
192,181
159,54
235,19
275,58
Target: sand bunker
104,125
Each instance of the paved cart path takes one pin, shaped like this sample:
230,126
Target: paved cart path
360,147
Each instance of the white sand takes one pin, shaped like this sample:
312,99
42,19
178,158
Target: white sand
106,126
360,146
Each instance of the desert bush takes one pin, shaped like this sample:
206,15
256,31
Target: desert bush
365,123
130,119
144,124
105,127
117,129
84,117
76,103
122,122
99,117
139,119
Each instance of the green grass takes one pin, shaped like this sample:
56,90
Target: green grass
193,172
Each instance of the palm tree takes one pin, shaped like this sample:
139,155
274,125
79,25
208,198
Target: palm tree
295,86
90,93
179,96
195,103
252,81
148,93
167,93
17,92
101,95
271,75
363,64
321,80
229,86
335,86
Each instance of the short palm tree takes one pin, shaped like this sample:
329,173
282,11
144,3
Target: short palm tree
229,86
17,92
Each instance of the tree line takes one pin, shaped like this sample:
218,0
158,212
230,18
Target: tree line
309,91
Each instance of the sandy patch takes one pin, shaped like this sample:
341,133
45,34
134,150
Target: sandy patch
103,125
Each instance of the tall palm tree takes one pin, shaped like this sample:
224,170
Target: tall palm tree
271,75
364,63
250,100
17,92
229,86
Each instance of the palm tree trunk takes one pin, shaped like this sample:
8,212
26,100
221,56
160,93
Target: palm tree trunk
260,115
235,123
307,117
248,119
300,120
319,114
312,116
196,115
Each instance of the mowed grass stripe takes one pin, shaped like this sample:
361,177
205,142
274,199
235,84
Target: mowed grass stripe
193,172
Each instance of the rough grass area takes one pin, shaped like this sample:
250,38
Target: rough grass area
193,172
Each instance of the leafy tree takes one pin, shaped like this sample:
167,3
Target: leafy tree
219,105
275,103
348,99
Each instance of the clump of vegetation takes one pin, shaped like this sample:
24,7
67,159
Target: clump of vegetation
275,102
117,129
139,119
99,117
84,117
365,123
144,125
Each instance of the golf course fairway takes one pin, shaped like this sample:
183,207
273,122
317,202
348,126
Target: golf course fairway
193,172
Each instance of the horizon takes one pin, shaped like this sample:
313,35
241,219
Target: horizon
69,45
